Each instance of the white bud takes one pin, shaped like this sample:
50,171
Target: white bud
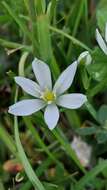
85,58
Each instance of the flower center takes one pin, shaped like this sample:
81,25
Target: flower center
48,96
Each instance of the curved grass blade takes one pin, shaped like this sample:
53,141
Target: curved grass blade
27,166
74,40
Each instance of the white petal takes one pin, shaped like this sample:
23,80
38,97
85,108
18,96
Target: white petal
101,42
65,79
42,73
106,32
28,86
26,107
71,101
51,115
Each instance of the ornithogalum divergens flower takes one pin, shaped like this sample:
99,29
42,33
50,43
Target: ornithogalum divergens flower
46,96
102,42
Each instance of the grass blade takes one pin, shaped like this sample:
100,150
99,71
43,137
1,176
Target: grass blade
7,139
63,141
45,48
74,40
27,166
14,45
90,175
21,25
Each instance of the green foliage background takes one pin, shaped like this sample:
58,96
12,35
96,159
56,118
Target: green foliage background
55,31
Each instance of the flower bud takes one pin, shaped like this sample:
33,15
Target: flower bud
85,58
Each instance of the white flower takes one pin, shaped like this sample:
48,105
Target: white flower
82,150
85,57
102,42
45,95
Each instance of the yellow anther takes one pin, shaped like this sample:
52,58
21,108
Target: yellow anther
48,96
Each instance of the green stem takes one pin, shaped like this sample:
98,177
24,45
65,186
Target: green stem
13,45
27,166
6,138
91,110
63,141
39,171
30,126
74,40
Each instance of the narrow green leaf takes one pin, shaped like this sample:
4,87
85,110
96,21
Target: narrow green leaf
41,168
102,114
45,48
26,164
76,24
7,139
91,110
51,11
28,168
30,126
32,19
40,6
68,149
90,175
14,45
17,20
74,40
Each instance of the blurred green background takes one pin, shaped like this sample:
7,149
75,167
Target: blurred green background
55,31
